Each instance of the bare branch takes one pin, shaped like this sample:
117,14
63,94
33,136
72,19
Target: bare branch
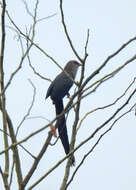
35,72
109,74
50,170
18,144
94,146
106,106
108,59
47,17
66,32
11,174
27,8
38,47
28,48
85,141
83,89
37,160
87,40
30,107
14,149
4,179
3,98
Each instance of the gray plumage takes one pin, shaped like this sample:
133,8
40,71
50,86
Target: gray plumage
62,83
57,90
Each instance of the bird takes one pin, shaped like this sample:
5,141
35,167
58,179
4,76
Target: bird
57,90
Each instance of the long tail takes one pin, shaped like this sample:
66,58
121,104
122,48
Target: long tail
62,129
62,125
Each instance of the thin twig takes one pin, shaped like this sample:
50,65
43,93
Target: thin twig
19,144
30,107
66,32
35,72
47,17
11,174
85,141
86,45
115,71
106,106
37,160
94,146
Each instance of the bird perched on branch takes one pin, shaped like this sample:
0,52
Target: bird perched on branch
57,90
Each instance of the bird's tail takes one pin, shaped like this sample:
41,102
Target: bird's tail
62,129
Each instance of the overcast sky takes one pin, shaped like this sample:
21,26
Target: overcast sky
111,24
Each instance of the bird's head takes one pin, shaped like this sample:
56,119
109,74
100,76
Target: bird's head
72,67
75,63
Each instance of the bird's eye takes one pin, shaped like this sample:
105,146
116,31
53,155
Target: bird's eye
75,62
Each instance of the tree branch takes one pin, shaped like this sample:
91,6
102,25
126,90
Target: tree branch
3,98
97,142
37,160
66,32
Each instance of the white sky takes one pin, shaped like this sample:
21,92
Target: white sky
111,23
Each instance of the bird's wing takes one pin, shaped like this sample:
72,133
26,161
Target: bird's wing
49,90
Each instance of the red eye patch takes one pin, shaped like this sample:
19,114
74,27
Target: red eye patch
75,62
